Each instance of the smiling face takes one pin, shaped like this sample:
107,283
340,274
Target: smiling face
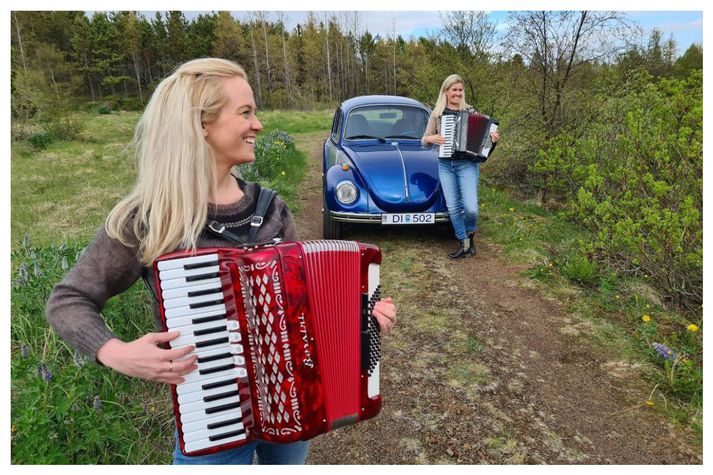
454,95
231,136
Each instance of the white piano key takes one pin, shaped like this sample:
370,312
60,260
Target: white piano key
178,292
206,443
182,273
227,377
180,262
207,433
199,410
177,322
203,424
188,301
236,372
203,393
192,329
202,407
210,341
185,311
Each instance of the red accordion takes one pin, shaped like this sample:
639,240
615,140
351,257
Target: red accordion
467,132
286,343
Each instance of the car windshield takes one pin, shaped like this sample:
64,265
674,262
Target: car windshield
386,121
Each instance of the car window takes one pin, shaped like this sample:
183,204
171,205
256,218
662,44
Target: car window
336,124
381,121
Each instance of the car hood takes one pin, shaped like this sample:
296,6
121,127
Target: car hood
400,177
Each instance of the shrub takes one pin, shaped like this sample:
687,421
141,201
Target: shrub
41,140
104,109
579,268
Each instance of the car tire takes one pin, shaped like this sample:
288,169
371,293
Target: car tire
330,229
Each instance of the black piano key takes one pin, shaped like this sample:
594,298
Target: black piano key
194,278
215,341
216,369
206,387
209,303
216,397
220,316
206,359
208,331
198,265
228,422
198,293
213,438
224,407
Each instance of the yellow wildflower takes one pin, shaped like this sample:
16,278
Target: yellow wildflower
649,402
283,173
646,318
692,327
511,209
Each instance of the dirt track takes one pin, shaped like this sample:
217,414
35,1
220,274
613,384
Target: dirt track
482,368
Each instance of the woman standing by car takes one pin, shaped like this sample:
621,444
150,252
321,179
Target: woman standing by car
459,174
200,122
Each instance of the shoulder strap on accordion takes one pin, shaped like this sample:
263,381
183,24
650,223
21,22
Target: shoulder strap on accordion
263,202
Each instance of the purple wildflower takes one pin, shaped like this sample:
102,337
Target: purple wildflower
97,404
22,271
24,351
78,360
665,352
26,242
44,372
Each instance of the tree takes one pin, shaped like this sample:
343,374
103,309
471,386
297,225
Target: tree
469,31
555,46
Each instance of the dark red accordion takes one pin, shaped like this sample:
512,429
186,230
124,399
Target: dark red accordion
467,132
286,343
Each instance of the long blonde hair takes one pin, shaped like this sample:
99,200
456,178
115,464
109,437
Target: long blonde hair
442,101
169,202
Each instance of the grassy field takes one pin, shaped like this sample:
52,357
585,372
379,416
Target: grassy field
60,197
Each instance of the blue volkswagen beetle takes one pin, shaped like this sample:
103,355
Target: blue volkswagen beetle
375,169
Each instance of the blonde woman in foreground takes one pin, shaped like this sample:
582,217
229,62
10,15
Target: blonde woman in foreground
198,125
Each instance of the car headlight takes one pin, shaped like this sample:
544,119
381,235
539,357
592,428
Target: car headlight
346,192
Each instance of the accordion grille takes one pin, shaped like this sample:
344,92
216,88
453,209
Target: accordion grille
333,270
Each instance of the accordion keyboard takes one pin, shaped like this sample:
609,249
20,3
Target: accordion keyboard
448,129
208,399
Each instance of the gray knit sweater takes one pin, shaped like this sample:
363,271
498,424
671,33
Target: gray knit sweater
107,268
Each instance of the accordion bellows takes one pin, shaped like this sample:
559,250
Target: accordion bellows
287,347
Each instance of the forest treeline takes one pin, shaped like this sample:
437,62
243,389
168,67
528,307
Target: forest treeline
596,119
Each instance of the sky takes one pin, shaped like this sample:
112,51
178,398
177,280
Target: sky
686,27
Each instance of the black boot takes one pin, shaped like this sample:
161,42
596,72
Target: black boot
462,251
471,238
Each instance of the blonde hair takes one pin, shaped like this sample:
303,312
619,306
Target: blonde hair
176,170
442,101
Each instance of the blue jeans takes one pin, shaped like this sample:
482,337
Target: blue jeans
268,453
459,180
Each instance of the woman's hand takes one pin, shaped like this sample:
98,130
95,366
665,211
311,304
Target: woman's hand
144,359
494,136
385,313
435,139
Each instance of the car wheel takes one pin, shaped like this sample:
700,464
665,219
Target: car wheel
330,229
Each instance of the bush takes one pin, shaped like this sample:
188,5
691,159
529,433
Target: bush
579,268
634,179
41,140
104,109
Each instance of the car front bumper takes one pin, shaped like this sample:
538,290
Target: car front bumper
366,218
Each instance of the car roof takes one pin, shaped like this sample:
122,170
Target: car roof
380,99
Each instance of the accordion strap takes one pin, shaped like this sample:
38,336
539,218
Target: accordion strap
263,202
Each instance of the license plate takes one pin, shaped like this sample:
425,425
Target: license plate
408,218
